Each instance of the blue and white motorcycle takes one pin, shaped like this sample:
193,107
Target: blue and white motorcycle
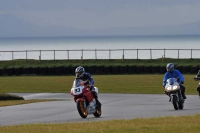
173,90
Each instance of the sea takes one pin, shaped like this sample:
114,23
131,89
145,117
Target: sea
100,47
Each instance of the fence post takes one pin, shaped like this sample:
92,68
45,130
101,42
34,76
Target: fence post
26,54
109,54
82,55
164,52
178,53
95,54
12,55
150,54
191,53
137,53
123,55
40,55
54,54
68,54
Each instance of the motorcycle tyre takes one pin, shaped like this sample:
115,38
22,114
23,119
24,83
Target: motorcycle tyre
175,102
97,113
181,105
81,110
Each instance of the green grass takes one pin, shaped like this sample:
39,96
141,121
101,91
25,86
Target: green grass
130,84
180,124
98,62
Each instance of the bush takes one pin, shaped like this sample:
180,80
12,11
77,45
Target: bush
4,97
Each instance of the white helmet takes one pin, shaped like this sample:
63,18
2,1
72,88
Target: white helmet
170,67
79,72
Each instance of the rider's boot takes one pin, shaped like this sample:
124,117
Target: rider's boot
183,91
96,98
98,103
183,94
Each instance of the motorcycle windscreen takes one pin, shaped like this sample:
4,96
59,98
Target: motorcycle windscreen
77,83
171,81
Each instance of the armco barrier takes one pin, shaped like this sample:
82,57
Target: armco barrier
18,71
2,71
194,69
155,69
115,69
162,69
123,69
99,70
179,68
139,69
131,69
50,70
147,69
26,71
186,69
67,70
91,69
70,70
42,71
107,70
59,70
10,71
34,70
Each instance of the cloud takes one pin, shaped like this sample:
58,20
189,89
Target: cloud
120,17
102,16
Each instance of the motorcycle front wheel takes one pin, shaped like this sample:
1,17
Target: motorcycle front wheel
81,110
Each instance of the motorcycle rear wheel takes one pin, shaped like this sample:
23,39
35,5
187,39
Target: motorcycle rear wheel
81,110
175,102
181,104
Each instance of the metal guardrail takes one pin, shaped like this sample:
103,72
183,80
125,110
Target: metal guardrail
101,54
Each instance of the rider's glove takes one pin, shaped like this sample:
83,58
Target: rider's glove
86,82
182,82
163,86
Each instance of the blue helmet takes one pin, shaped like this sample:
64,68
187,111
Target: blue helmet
170,67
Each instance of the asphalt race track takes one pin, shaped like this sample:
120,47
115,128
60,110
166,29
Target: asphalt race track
114,106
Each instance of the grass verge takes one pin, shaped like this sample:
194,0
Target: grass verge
183,124
127,84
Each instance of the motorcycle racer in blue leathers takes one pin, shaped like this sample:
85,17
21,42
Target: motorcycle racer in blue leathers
173,73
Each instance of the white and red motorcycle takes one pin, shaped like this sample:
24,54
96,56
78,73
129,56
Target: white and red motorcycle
85,101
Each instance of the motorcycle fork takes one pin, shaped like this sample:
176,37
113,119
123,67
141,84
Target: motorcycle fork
171,97
180,95
85,105
84,101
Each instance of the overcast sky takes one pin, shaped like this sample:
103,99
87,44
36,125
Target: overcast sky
101,14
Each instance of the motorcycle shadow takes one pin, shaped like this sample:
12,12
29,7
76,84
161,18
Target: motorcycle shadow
185,109
89,119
